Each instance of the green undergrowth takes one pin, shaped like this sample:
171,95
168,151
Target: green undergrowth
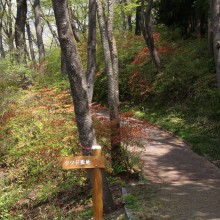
182,98
198,130
38,124
36,127
142,201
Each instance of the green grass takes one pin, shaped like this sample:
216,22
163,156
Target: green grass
201,132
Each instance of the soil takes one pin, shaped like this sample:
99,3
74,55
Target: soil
187,185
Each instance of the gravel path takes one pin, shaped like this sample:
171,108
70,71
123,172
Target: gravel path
189,184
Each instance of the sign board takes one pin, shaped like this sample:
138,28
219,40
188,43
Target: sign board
80,162
95,161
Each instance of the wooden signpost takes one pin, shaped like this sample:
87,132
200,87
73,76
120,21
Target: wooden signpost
95,162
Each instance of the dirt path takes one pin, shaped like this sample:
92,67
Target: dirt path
189,185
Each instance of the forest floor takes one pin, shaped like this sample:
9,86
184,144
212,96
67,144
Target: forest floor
178,184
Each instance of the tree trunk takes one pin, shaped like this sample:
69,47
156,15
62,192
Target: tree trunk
39,30
20,30
123,3
116,153
78,86
111,62
147,32
138,21
129,23
215,23
30,41
210,37
91,56
8,29
73,25
2,51
53,32
63,64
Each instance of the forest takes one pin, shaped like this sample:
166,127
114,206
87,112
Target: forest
79,74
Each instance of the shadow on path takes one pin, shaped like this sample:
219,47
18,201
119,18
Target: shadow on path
189,185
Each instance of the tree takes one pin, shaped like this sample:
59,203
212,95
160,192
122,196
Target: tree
146,26
138,20
20,30
31,46
53,32
8,26
78,86
215,23
190,16
111,63
91,54
39,30
2,10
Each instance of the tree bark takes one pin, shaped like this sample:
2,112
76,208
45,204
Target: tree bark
20,30
39,30
210,36
2,51
147,32
215,23
138,21
53,32
8,27
124,17
73,25
30,41
129,23
91,50
78,86
2,9
111,63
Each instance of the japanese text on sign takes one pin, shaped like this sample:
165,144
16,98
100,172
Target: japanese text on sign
78,162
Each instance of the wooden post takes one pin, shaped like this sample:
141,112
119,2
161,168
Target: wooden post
96,162
97,187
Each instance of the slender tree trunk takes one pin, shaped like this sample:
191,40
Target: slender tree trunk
114,53
20,30
39,30
138,21
129,23
111,62
73,25
124,19
53,32
210,36
147,32
2,51
215,23
91,56
30,41
8,29
78,86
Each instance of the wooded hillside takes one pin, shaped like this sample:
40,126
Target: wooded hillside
62,62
